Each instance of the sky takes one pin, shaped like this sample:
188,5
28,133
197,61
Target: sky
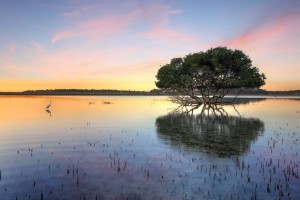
120,44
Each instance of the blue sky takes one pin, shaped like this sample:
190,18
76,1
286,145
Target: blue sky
121,44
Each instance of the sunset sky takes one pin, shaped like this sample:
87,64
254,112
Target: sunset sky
119,44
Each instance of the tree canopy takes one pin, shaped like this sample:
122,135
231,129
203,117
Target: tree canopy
210,74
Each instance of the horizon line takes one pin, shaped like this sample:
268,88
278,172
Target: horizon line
128,90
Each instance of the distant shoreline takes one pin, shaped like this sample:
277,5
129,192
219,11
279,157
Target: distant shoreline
62,94
155,92
75,92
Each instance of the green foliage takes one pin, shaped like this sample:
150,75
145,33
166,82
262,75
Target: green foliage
216,69
168,74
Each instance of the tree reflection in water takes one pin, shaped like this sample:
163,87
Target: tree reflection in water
221,135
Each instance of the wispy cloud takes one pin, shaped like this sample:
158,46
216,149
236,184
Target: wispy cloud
150,21
12,47
159,29
37,47
95,29
272,45
168,35
78,11
265,37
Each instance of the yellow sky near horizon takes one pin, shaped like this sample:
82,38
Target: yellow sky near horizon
122,84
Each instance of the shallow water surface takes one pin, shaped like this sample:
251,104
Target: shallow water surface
132,147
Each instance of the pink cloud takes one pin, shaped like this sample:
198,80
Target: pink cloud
94,28
8,56
265,38
273,47
80,62
12,47
168,35
77,63
154,16
158,28
78,8
37,47
62,35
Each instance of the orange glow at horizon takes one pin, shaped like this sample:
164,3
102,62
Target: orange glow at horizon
130,83
145,84
282,86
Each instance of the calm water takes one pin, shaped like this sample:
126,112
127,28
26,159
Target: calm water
139,148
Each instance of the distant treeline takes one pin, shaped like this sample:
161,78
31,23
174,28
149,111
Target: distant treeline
77,92
265,92
243,91
152,92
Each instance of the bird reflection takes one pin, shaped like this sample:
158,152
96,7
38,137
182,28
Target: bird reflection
48,111
222,135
